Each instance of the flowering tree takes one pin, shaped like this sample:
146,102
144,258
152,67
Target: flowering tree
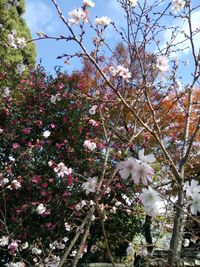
148,118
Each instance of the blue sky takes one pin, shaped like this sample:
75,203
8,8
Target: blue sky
42,16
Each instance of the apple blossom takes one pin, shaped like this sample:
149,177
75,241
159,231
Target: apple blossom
90,185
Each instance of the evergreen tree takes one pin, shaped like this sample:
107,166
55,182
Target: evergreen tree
13,34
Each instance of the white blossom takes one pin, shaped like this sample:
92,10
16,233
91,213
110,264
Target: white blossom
11,40
133,3
177,5
40,209
20,68
46,134
89,145
90,185
61,170
103,21
92,111
142,172
88,3
77,15
130,250
36,251
162,63
153,204
146,159
15,264
55,98
195,204
15,184
4,241
6,92
21,42
191,187
67,227
186,242
138,170
120,71
127,168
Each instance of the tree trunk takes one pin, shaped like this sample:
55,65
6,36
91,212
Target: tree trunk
175,246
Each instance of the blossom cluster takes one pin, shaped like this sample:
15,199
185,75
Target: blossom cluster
16,42
192,189
121,71
139,169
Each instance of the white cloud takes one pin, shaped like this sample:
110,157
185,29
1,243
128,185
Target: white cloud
39,17
183,31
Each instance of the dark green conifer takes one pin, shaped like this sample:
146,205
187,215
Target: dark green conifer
12,28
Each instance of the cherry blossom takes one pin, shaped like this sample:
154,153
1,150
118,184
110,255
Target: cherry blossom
133,3
194,204
77,15
127,168
120,71
143,172
146,159
88,3
103,21
177,5
192,188
153,204
162,63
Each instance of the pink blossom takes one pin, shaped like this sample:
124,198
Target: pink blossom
26,131
15,145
